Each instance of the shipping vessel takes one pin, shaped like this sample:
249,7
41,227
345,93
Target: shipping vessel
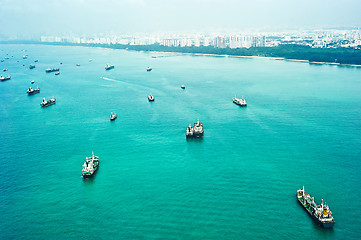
2,78
49,70
320,213
108,67
150,98
46,103
195,131
240,101
90,166
113,116
32,91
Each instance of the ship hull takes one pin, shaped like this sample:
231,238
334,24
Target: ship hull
91,174
322,224
32,93
47,105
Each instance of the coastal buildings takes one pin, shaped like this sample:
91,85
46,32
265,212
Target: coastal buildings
314,38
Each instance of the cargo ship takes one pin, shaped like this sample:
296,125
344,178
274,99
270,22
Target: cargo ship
2,78
195,131
46,103
108,67
49,70
90,166
240,101
113,116
150,98
32,91
320,213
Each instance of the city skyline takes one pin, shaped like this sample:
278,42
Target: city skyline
41,17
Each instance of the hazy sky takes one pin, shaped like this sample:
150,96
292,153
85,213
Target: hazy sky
128,16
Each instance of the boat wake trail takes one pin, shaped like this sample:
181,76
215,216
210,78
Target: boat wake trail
109,79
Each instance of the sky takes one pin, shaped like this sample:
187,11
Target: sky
92,17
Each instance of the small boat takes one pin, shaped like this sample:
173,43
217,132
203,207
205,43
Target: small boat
90,166
49,70
150,98
2,60
240,101
36,60
90,59
320,213
2,78
46,103
108,67
31,66
149,69
5,69
78,65
189,131
113,116
32,91
32,82
61,63
25,56
183,87
57,73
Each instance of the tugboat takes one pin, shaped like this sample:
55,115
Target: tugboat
320,213
195,131
150,98
49,70
183,87
149,69
90,166
108,67
31,66
45,103
2,78
32,91
189,132
240,101
113,116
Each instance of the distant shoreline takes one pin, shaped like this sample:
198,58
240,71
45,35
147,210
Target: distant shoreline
235,56
196,51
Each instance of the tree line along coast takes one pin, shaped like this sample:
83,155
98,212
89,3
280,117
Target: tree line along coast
347,56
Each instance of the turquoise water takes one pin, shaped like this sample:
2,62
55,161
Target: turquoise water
302,126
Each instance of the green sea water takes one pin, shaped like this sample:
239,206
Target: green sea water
302,126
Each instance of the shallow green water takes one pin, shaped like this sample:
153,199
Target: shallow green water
302,126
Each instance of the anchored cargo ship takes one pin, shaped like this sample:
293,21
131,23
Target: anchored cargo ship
240,101
108,67
113,116
195,131
32,91
320,213
49,70
46,103
90,166
150,98
2,78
